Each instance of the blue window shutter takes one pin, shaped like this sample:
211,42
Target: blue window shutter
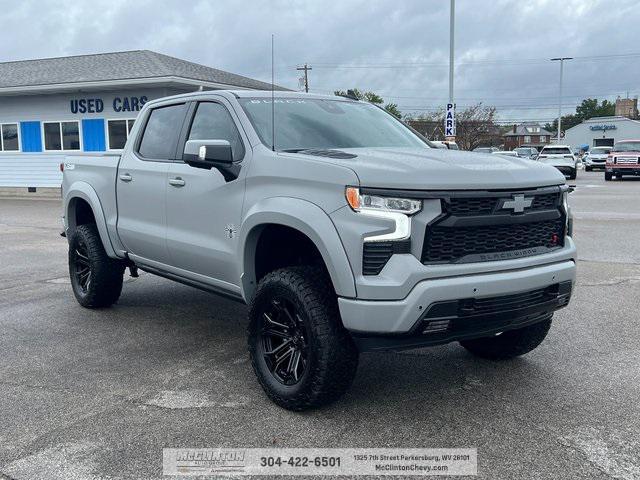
30,136
93,135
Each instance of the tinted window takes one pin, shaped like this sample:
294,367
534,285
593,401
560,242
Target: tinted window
556,151
117,134
161,133
306,123
70,136
9,137
52,136
627,147
213,122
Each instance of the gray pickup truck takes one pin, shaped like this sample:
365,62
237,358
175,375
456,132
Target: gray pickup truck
339,226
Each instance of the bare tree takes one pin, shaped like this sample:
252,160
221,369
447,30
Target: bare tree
475,126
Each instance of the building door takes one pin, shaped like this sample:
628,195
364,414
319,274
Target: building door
141,185
603,142
204,209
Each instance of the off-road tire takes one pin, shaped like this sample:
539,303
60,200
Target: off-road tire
105,274
511,343
608,176
332,357
588,169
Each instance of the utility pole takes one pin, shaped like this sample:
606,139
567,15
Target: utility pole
561,59
450,116
452,17
306,68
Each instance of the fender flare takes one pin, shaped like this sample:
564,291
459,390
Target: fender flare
86,192
307,218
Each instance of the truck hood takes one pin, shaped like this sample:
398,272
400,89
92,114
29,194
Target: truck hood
439,169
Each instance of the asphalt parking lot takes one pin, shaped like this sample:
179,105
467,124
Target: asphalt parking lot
98,394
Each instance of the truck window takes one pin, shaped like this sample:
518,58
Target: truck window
160,135
212,121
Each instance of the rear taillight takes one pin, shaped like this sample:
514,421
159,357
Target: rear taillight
62,167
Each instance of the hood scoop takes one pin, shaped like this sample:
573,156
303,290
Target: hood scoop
328,153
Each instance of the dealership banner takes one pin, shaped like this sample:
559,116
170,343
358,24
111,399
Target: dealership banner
319,461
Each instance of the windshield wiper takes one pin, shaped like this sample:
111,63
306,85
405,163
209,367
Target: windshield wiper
293,150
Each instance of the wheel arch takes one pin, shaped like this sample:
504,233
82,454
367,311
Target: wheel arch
306,219
81,201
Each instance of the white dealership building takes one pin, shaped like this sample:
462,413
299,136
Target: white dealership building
53,107
602,131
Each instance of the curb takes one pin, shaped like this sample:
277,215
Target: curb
31,192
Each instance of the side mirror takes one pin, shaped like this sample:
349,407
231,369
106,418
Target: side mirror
208,154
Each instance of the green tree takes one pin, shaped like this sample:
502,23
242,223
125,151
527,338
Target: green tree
589,108
374,98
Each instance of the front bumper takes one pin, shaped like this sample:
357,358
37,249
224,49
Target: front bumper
623,170
401,320
566,169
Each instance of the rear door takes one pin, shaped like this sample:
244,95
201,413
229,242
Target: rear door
204,209
142,183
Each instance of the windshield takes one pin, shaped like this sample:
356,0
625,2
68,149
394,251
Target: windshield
627,147
484,150
556,151
302,124
600,150
523,151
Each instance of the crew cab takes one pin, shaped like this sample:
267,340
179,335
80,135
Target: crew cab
341,228
624,159
596,158
561,157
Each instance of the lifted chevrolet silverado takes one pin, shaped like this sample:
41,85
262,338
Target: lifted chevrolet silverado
345,232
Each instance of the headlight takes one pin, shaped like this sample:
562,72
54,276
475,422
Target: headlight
391,208
365,202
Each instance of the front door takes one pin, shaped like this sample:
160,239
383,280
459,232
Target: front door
141,185
204,209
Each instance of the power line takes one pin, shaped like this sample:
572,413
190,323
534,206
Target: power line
529,61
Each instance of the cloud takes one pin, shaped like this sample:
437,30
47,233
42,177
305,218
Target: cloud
397,48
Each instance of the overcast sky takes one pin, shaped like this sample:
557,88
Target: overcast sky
398,48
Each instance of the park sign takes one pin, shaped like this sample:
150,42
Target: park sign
450,121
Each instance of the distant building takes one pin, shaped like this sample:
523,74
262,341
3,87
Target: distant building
529,134
627,107
602,131
54,107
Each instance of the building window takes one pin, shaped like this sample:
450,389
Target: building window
9,138
61,136
527,139
543,138
118,132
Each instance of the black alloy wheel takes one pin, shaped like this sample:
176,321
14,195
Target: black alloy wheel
82,266
283,342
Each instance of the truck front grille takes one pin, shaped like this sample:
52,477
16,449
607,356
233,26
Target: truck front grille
479,228
469,206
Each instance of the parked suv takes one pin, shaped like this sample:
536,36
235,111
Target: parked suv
561,157
596,158
343,230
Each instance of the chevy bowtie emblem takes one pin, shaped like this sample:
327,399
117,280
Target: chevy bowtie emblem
518,204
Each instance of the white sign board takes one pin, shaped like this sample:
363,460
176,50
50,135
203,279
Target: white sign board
450,121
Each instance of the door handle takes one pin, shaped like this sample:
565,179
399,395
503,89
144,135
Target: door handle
125,177
177,182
